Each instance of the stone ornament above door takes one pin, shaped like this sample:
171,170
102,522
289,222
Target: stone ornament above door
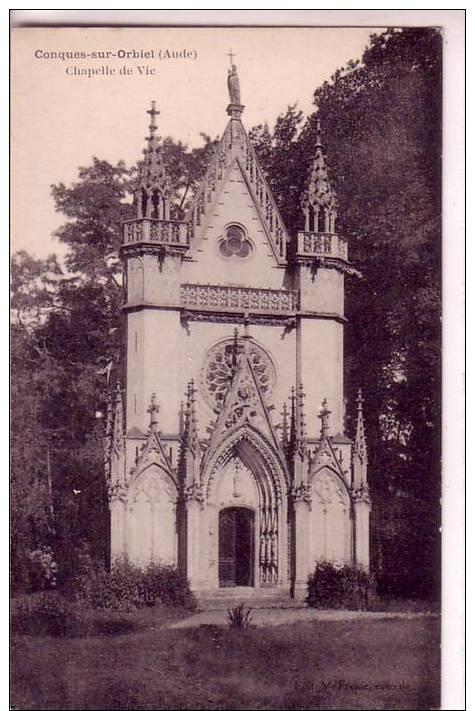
218,370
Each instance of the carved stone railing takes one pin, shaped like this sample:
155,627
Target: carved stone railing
266,202
164,232
239,298
322,244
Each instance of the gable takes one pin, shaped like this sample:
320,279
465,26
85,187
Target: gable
234,210
235,190
245,405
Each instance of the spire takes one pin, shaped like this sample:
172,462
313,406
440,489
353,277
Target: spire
300,416
319,204
152,196
285,427
191,428
235,352
118,432
360,437
297,418
235,108
318,143
153,410
324,416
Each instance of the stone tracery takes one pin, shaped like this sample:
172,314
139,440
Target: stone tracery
218,371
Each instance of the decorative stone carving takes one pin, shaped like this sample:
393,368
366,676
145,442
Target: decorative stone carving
233,86
303,492
156,231
212,317
320,244
235,297
117,491
235,141
235,244
218,370
328,490
268,545
194,492
361,494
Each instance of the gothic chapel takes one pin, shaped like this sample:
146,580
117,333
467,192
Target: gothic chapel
225,446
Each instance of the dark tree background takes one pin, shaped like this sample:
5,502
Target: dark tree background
381,119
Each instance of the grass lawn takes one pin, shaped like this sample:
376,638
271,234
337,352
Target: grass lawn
361,664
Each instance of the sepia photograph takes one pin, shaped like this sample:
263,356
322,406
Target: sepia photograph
226,366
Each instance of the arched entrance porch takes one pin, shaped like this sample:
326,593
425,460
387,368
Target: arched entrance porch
243,530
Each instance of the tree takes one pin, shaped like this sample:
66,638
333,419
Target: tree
65,350
382,130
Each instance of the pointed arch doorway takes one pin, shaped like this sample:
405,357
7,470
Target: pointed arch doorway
236,547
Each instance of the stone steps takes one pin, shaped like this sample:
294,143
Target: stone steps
227,598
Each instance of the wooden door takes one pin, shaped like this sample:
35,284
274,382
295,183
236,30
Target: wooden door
236,547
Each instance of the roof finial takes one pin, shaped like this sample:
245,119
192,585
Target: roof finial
319,203
235,107
153,410
152,195
300,413
360,437
231,57
153,111
285,426
318,143
324,416
191,430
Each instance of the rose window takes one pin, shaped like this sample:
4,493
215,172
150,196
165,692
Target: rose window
235,243
219,368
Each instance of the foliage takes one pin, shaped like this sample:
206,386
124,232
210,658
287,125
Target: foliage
65,353
340,586
127,587
50,613
239,617
47,613
43,569
381,121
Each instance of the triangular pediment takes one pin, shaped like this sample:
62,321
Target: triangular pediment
325,456
236,155
153,452
245,404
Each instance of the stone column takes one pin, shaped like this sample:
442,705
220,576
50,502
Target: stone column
283,561
118,508
194,538
362,507
301,499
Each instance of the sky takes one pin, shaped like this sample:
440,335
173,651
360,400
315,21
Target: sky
60,120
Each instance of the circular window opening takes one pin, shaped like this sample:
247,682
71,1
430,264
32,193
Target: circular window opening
235,243
218,370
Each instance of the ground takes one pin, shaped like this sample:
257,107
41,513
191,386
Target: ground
359,663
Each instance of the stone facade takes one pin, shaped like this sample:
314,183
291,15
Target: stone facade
225,452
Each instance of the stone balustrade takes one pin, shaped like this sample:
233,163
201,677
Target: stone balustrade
156,231
322,244
239,298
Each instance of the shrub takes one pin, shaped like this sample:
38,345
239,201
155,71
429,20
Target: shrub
127,587
166,585
52,614
340,586
239,618
48,613
42,569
